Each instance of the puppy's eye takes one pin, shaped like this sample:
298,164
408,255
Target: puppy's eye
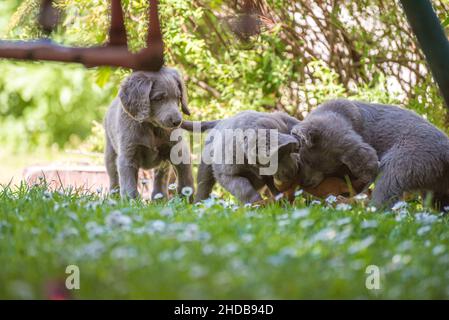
158,97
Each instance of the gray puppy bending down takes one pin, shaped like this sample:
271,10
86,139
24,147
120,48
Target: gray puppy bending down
244,180
138,125
413,154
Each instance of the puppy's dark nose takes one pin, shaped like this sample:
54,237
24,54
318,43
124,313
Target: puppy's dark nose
176,123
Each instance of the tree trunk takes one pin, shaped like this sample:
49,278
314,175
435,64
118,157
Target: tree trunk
432,39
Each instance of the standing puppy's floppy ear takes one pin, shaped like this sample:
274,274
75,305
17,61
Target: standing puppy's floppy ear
182,88
135,96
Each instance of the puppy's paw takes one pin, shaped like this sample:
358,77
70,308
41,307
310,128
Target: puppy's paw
344,200
262,203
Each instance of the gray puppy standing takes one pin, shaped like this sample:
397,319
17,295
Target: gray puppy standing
244,180
413,154
138,125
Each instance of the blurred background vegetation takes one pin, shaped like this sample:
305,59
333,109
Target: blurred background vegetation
298,54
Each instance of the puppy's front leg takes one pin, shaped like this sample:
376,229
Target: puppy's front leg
184,177
183,170
127,172
387,191
205,181
269,181
110,161
240,187
161,175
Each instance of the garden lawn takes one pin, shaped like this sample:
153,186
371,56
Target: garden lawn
217,250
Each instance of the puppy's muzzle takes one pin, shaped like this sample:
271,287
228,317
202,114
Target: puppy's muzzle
172,122
176,123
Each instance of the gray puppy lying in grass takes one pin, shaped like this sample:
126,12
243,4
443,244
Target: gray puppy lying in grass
413,154
138,125
244,180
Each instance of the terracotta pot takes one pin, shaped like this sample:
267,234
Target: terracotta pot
83,177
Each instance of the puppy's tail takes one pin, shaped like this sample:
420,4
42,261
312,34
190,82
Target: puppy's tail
201,125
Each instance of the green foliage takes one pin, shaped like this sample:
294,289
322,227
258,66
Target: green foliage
299,57
48,104
7,8
176,250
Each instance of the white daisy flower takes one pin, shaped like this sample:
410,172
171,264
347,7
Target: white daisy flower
425,217
198,271
361,245
301,213
229,248
439,249
72,215
111,202
331,199
190,233
369,224
343,221
94,230
324,235
166,212
68,232
93,249
247,238
423,230
118,219
307,223
172,186
209,202
157,226
124,253
158,196
343,207
279,196
283,223
399,205
187,191
47,195
208,249
361,196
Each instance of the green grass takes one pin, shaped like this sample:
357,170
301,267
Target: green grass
177,250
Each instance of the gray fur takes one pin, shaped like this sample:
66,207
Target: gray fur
138,125
203,125
244,181
413,154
